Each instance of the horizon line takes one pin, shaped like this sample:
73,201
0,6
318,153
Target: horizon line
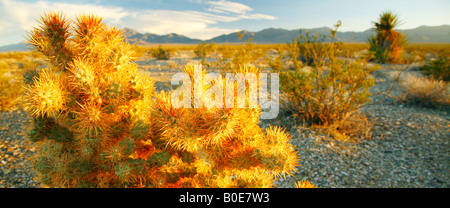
247,31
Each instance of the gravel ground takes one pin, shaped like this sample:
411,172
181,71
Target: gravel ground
409,148
16,151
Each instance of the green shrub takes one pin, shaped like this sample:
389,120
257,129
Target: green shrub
311,49
160,53
438,69
323,89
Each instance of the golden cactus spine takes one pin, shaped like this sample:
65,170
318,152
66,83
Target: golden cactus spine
99,122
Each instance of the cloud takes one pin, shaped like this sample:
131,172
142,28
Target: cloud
239,10
190,23
25,14
17,17
258,16
228,6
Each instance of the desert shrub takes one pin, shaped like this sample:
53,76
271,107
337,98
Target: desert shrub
99,123
388,43
160,53
425,91
203,49
323,89
311,49
438,69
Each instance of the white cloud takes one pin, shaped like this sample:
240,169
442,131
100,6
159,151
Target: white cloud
258,16
238,10
190,23
26,14
17,17
229,6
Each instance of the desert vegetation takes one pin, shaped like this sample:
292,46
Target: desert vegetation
99,123
322,88
100,111
388,43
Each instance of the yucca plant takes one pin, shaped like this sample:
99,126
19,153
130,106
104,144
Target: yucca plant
388,43
99,123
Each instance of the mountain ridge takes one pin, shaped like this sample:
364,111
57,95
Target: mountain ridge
421,34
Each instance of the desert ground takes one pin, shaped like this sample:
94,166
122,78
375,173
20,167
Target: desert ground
408,144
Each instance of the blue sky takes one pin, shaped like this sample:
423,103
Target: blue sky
205,19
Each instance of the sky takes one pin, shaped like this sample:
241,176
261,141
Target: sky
204,19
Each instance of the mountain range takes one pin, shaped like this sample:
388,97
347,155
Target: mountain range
430,34
423,34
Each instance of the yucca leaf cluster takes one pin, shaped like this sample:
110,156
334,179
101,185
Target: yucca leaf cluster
388,43
99,123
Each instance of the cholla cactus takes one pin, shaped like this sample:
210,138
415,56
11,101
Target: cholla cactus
99,123
304,184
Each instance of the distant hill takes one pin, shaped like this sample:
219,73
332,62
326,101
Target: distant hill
270,35
422,34
14,47
439,34
431,34
134,37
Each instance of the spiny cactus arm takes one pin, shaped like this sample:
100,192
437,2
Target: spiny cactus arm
304,184
280,148
47,96
88,31
51,38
